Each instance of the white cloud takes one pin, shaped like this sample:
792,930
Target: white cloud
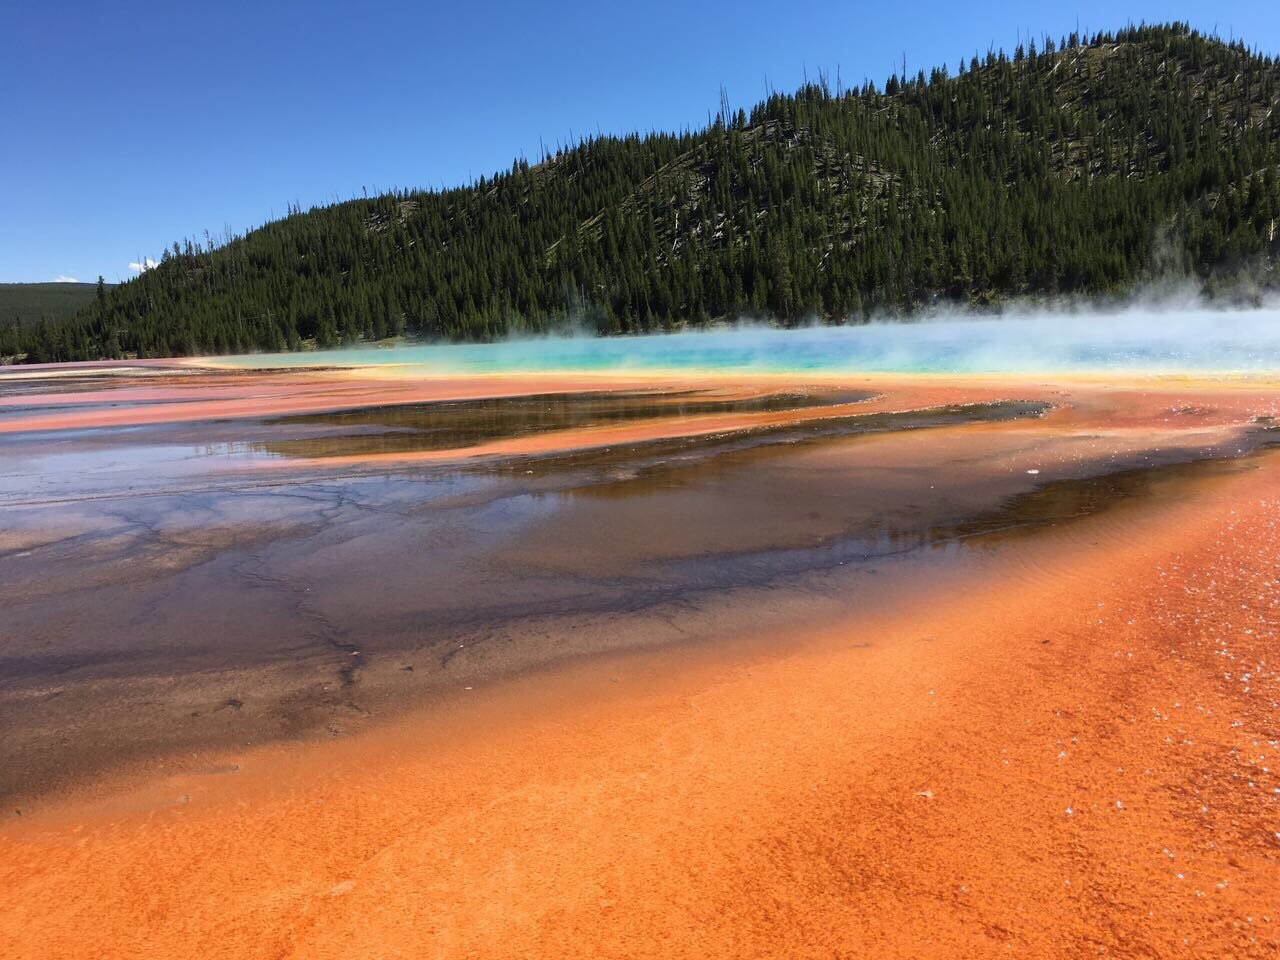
146,264
63,278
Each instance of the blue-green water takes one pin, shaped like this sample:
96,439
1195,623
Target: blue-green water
1132,340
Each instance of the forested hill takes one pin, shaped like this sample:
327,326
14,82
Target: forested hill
29,303
1074,166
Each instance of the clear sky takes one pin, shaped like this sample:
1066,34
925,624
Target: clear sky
127,126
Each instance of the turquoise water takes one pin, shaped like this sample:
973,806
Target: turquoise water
1139,340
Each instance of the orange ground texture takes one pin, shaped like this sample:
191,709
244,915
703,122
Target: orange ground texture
1074,755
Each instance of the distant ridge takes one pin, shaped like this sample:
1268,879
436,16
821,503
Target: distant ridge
1074,166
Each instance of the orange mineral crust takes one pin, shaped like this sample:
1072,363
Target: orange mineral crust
1069,752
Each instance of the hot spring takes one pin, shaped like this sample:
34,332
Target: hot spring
1142,340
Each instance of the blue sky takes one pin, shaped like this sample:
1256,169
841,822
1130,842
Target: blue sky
129,126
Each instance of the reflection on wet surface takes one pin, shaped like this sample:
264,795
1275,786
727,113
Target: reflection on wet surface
669,451
449,425
154,603
1061,501
25,382
74,464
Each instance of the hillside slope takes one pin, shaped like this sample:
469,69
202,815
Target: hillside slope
1086,166
29,303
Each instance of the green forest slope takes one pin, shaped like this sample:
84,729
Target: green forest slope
1078,166
29,303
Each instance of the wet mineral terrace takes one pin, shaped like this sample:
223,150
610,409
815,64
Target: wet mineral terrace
177,574
331,663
